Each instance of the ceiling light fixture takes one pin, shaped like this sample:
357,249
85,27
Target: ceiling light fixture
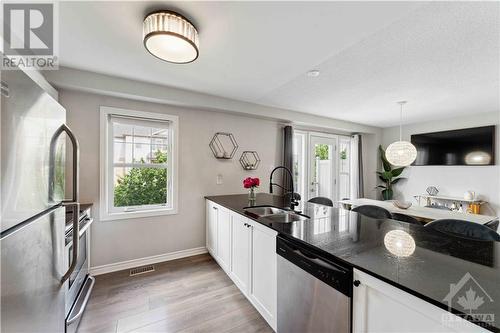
313,73
171,37
401,153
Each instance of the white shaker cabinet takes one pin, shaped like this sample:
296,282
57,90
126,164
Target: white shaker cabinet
246,250
224,238
211,227
263,288
381,307
218,234
241,255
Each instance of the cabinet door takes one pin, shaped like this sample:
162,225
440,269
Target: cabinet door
381,307
240,248
212,217
263,287
224,238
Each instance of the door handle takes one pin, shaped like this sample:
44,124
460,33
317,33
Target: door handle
74,201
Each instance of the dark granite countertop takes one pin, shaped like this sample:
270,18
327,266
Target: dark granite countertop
420,261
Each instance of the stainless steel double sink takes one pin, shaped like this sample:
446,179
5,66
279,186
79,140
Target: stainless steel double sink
275,214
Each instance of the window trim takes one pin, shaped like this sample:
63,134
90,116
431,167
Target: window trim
104,188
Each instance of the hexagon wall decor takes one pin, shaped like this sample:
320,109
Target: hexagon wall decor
223,145
249,160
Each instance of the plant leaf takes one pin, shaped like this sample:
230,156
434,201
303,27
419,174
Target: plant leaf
387,175
397,172
381,186
395,181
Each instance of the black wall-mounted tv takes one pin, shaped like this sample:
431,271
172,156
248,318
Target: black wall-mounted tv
469,146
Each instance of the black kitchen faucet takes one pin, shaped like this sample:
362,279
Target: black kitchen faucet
289,193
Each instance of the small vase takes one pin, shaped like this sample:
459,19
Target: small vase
252,194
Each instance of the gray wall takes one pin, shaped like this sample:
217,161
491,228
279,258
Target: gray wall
371,164
451,180
116,241
122,240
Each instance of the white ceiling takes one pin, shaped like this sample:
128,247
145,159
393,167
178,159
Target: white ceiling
441,57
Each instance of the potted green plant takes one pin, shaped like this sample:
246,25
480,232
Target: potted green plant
388,176
343,154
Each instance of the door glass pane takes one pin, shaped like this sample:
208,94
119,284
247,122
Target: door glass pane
299,164
344,168
322,171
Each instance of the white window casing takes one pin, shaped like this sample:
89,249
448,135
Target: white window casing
111,118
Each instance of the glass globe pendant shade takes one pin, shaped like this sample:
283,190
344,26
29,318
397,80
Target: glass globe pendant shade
400,243
170,37
401,153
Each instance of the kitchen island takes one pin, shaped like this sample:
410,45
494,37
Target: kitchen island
435,268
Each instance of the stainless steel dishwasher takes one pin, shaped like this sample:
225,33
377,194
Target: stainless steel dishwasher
314,294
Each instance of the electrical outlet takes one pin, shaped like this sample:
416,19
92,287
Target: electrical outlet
219,179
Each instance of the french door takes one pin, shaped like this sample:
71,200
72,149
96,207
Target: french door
321,165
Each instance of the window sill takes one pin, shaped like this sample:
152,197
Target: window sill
105,216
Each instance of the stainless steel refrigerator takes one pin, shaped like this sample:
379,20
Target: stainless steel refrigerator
34,266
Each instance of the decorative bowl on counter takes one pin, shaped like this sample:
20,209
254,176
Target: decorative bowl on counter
402,204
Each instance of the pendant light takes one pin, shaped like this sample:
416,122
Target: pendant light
171,37
401,153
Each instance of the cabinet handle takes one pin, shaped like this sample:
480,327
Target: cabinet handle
356,283
245,224
214,208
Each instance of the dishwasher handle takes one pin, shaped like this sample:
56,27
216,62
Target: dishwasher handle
334,274
307,257
319,262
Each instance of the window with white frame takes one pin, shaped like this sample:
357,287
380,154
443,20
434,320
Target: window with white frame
138,164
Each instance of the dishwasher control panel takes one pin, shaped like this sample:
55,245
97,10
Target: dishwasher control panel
334,274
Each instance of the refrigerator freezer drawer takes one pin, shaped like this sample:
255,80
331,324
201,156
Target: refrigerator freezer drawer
33,262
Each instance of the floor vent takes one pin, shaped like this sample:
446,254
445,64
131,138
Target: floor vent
142,270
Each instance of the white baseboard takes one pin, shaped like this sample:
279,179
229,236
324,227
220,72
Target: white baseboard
119,266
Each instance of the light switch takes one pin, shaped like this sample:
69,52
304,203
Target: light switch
219,179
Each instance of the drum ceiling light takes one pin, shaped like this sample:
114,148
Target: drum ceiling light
401,153
171,37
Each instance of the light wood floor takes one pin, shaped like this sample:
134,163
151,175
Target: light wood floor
186,295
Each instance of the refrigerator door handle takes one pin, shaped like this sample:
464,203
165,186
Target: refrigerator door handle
75,164
74,201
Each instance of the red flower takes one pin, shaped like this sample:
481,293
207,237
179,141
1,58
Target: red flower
256,182
251,182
